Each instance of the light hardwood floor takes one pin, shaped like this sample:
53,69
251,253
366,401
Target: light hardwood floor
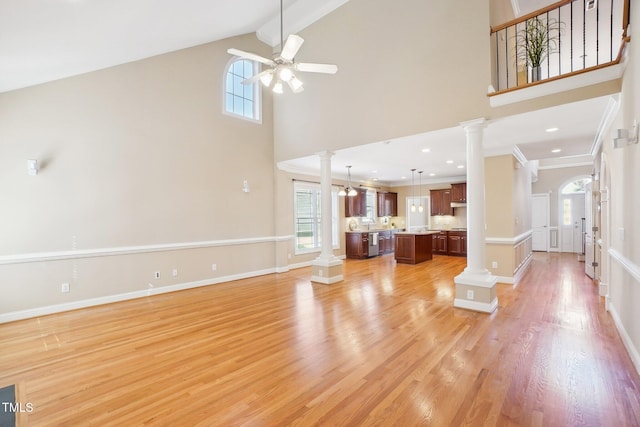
385,347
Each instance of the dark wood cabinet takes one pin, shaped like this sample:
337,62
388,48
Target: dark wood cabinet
457,243
387,204
357,245
413,248
441,202
440,242
356,205
459,192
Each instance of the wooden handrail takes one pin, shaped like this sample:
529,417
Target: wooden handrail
618,59
625,18
530,15
505,68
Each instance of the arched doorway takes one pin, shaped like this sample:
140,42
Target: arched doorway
572,214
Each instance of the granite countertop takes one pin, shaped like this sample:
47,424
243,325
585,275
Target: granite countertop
375,230
418,233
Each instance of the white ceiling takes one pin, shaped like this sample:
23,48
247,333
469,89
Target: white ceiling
390,162
45,40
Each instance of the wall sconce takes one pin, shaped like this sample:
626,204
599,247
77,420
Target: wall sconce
32,167
245,186
624,137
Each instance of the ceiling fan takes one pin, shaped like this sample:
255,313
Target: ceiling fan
283,66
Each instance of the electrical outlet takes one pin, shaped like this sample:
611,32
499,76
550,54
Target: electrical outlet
289,256
214,267
65,287
494,264
175,272
157,274
470,295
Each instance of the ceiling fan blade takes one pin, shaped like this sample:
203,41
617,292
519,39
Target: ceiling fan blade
251,56
257,77
317,68
291,47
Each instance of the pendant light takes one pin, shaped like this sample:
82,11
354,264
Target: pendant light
420,208
348,190
413,191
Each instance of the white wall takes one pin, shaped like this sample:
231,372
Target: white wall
621,178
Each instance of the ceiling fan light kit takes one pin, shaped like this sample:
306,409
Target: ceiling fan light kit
283,66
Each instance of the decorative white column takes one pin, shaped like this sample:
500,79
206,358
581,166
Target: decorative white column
475,286
327,268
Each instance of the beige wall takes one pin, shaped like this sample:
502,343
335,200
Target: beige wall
136,159
508,215
378,46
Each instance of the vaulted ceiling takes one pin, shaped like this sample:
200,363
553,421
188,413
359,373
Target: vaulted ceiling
47,40
41,41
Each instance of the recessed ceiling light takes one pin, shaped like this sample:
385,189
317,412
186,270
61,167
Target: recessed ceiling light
460,166
449,162
374,171
426,150
432,174
551,130
403,177
557,150
375,179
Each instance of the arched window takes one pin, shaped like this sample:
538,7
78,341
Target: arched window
575,186
242,100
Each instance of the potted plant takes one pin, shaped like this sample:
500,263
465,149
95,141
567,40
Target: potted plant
537,39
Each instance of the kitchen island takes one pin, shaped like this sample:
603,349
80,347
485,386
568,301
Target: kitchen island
414,247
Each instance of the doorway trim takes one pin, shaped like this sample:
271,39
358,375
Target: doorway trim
559,204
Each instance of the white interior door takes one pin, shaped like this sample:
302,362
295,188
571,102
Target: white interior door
589,235
540,222
572,212
417,221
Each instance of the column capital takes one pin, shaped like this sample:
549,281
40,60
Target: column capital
475,124
325,154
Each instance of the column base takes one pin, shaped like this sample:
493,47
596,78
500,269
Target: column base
327,270
476,291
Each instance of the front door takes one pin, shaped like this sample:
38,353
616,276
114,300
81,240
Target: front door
589,238
540,222
572,208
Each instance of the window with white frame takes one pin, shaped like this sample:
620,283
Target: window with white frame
240,99
307,216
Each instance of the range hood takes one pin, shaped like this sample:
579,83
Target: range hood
458,205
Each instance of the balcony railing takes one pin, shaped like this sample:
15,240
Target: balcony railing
567,38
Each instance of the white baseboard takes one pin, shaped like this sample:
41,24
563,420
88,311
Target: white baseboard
75,305
628,343
476,306
603,289
505,279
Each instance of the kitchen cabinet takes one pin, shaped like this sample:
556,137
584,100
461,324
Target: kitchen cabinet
356,205
441,202
459,192
413,248
440,241
457,243
387,204
357,245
